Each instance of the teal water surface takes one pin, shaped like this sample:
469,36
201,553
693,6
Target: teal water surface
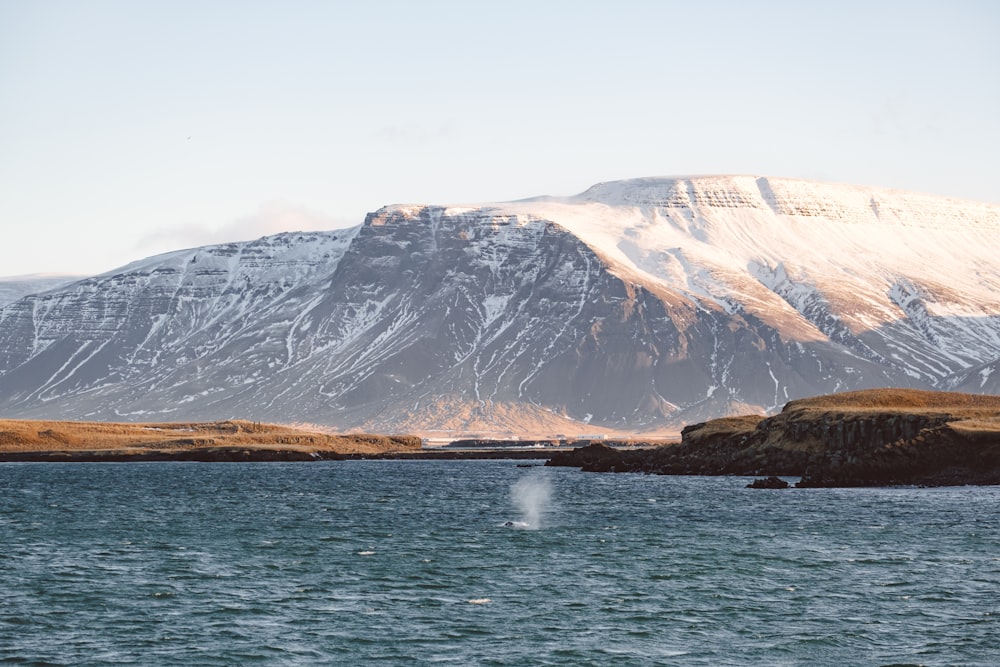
485,563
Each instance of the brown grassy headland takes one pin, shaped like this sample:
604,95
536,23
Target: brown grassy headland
223,440
861,438
899,399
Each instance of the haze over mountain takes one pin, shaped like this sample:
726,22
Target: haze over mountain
13,288
637,305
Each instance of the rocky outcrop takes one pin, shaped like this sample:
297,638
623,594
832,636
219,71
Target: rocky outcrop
936,456
771,482
869,438
598,457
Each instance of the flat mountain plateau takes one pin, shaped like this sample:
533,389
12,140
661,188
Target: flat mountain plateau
28,440
864,438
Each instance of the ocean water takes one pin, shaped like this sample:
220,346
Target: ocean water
485,563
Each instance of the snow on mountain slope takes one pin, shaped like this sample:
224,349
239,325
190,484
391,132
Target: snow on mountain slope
110,338
864,266
636,305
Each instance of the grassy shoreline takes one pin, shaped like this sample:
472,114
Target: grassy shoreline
231,440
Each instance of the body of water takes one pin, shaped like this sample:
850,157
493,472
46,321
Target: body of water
485,563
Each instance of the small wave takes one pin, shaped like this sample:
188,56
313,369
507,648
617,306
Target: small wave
366,553
480,601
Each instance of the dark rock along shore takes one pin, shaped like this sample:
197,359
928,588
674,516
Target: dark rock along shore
830,445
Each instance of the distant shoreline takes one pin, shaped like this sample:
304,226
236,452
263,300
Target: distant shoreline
265,454
880,437
230,440
236,440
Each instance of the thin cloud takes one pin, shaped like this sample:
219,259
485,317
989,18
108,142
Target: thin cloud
416,133
272,218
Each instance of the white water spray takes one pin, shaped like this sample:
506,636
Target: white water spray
532,495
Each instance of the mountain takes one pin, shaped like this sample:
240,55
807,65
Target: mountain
636,306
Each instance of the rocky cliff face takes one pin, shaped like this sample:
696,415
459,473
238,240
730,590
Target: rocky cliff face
636,306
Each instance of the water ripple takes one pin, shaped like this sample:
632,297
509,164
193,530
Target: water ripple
414,562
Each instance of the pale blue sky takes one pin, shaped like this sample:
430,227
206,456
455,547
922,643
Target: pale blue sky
129,128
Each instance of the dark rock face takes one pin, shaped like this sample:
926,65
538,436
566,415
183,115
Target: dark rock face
938,456
686,458
598,457
771,482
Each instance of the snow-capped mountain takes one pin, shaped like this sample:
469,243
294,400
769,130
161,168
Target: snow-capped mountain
637,305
